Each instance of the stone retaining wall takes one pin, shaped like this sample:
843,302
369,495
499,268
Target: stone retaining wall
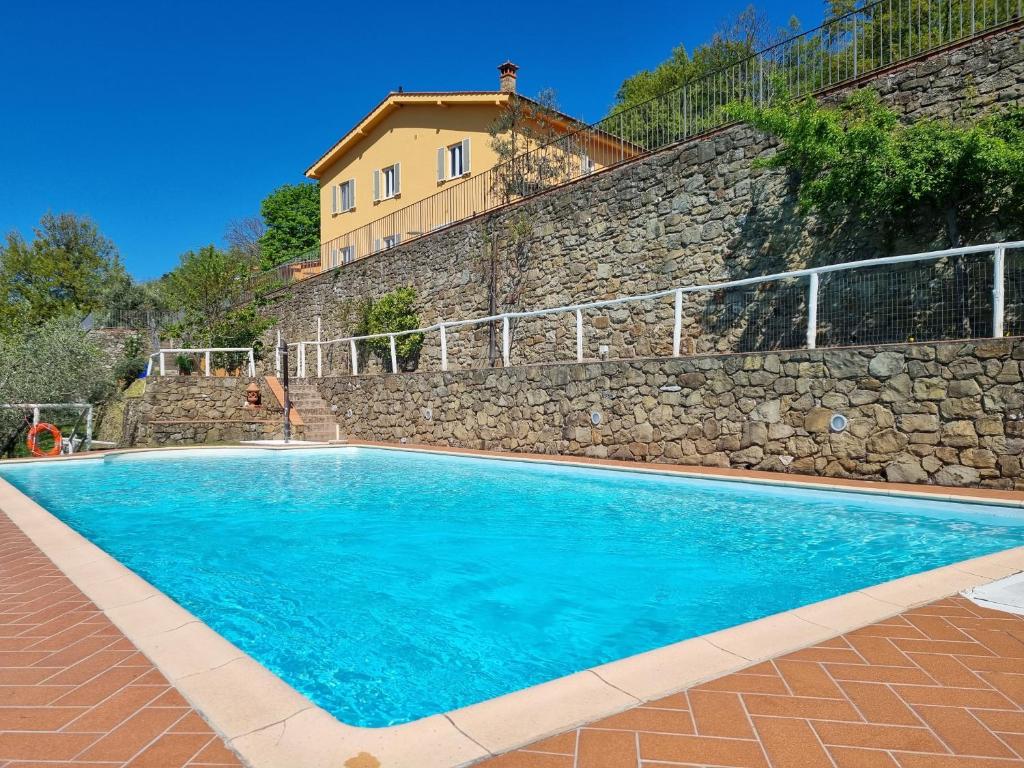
944,413
177,410
696,213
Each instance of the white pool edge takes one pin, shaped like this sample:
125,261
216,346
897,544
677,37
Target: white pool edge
271,725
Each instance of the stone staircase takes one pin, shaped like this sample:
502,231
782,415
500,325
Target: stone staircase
320,425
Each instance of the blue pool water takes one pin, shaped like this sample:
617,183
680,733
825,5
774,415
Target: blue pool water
389,585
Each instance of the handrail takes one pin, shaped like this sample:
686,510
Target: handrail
998,251
161,354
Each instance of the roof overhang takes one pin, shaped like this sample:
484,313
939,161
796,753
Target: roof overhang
393,102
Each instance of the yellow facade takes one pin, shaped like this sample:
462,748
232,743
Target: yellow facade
409,136
380,184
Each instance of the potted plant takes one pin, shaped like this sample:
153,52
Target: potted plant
186,365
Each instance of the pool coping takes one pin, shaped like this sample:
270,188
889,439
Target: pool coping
271,725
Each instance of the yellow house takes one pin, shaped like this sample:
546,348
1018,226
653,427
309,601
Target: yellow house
420,161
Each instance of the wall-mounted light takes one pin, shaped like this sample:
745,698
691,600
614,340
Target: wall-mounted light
838,422
428,414
595,418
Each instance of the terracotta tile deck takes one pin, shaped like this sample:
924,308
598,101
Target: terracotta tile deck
941,686
73,690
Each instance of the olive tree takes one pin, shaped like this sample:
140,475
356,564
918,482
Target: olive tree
52,362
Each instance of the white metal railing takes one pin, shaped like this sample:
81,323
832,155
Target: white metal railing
160,356
996,250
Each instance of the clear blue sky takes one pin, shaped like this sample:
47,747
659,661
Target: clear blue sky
164,120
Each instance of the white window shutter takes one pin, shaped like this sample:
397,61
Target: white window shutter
398,238
352,194
398,179
441,153
376,245
334,198
376,185
465,155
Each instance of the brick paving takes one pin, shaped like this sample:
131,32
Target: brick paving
73,690
941,686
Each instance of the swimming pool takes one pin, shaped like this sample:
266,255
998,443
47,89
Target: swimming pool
391,585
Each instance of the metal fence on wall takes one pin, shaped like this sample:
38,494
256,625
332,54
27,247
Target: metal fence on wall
130,319
963,293
844,48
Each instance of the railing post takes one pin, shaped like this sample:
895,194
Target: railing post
355,356
206,360
677,327
319,349
855,46
277,356
760,81
300,363
812,312
444,347
506,341
88,428
394,353
162,365
35,416
252,364
998,291
579,336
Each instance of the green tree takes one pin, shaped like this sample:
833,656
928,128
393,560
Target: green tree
63,270
393,313
206,282
858,159
291,214
52,361
644,111
208,287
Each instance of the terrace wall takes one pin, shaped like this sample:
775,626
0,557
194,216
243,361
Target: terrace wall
197,410
695,213
946,413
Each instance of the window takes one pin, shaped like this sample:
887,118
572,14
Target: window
343,197
391,242
453,161
387,182
586,164
344,255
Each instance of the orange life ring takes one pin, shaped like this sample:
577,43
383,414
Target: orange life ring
33,439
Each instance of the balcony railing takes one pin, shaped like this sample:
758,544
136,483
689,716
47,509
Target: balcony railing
847,47
960,293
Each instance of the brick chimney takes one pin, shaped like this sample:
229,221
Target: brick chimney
507,77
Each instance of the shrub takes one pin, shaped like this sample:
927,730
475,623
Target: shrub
132,363
392,313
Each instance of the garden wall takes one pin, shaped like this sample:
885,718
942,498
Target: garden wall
945,413
693,214
195,410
